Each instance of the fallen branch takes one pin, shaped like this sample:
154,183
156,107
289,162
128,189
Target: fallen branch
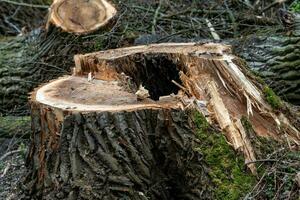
213,32
10,153
154,22
25,4
272,5
262,160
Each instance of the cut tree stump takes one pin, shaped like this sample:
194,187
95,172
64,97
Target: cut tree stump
81,16
94,137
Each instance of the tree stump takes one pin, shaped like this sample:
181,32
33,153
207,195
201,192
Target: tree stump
95,136
81,16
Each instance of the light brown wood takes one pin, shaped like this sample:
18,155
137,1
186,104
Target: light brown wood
81,16
73,93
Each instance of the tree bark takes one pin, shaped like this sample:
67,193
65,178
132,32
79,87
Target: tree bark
140,154
276,60
21,72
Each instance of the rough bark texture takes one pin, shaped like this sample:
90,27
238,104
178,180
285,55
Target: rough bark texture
276,59
138,154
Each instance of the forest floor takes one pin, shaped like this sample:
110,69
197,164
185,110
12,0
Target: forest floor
12,166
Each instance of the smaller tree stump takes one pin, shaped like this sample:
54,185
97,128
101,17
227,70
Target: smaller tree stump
81,16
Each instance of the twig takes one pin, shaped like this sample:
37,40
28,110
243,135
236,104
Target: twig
262,160
10,153
5,170
213,32
154,22
247,3
25,4
12,25
232,18
180,86
257,184
273,4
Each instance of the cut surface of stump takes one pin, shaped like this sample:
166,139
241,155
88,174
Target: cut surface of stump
81,16
95,135
78,94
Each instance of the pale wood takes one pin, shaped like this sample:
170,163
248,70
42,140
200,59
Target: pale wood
81,16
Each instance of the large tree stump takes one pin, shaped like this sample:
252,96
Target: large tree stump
96,136
217,82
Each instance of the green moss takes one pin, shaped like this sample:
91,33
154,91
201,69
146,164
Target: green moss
295,6
228,171
22,148
272,98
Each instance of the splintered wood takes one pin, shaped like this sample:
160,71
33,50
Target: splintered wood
213,80
81,16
